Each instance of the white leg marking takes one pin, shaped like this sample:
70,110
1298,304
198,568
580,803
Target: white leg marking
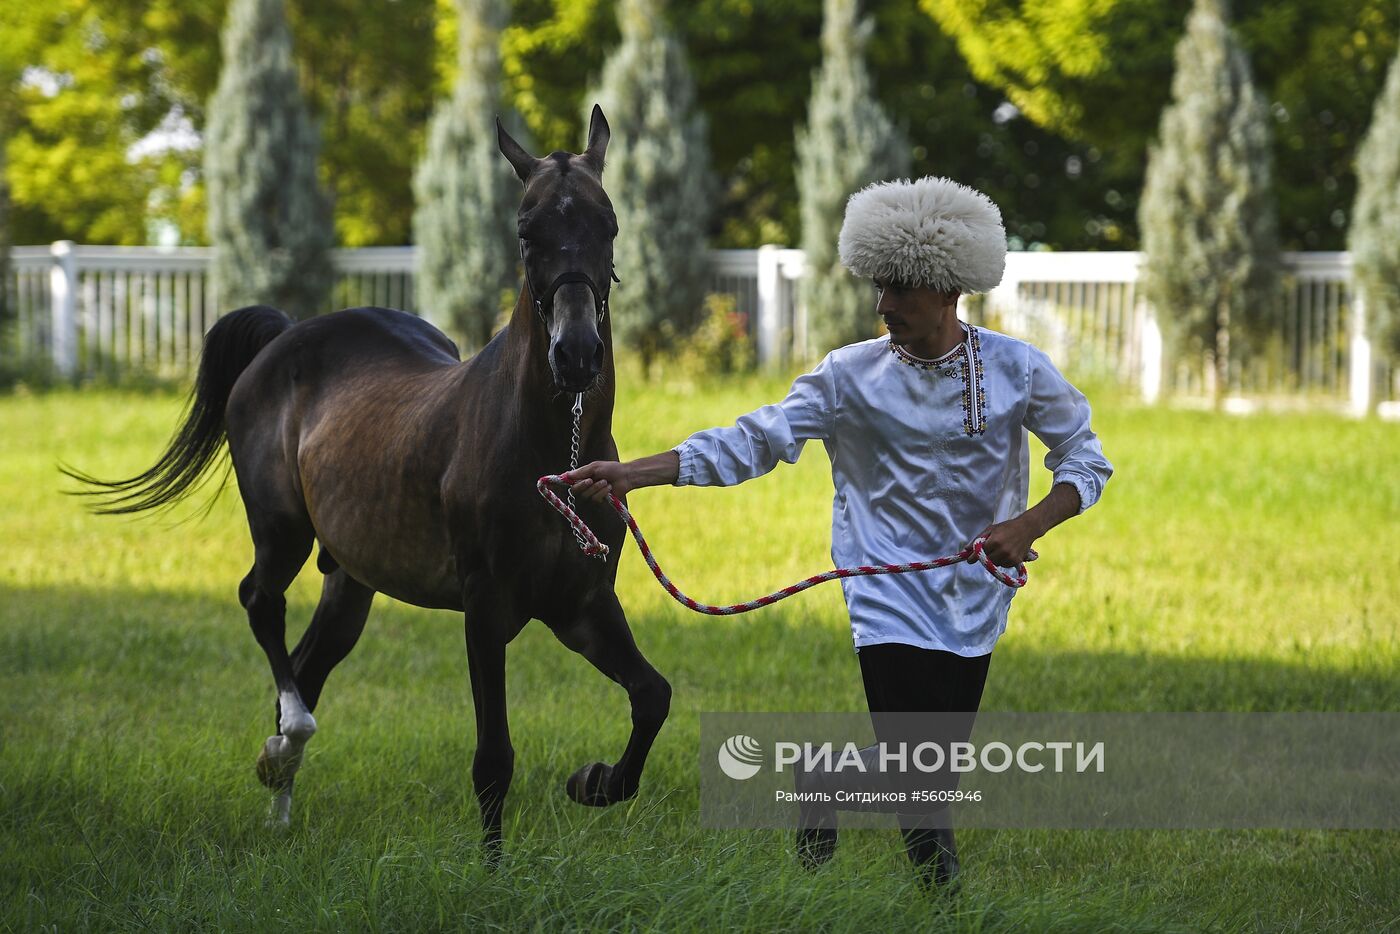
297,723
282,754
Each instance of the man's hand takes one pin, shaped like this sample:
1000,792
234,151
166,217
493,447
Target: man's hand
1008,543
600,479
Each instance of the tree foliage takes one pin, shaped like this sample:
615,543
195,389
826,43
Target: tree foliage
1208,215
80,86
269,220
658,177
103,74
465,191
753,65
98,84
1099,73
1374,238
849,141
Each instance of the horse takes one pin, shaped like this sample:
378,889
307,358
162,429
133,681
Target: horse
363,431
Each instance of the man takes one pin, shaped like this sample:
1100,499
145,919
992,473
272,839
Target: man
927,434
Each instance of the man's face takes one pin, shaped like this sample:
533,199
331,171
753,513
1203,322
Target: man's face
912,314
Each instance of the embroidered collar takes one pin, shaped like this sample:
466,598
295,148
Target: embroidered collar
906,357
964,360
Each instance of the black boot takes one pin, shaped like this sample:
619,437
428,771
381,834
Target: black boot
816,846
934,853
816,821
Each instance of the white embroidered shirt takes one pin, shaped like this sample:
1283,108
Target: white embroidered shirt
925,455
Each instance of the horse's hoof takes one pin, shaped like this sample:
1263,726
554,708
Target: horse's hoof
591,786
279,813
277,763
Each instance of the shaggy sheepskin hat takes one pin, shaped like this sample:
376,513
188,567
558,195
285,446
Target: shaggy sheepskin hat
929,232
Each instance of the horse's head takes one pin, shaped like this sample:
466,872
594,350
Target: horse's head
567,227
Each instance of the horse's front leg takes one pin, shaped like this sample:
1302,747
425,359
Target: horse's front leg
491,620
601,635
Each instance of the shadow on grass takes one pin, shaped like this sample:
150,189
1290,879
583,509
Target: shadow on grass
772,661
127,797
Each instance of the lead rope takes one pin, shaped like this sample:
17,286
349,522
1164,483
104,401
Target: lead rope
594,548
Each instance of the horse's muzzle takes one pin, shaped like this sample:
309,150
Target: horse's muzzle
576,365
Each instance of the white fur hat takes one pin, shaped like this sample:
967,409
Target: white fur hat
931,231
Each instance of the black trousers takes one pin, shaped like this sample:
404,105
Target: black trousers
906,678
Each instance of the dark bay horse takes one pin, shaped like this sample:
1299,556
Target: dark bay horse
415,472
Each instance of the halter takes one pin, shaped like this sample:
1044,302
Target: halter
546,300
600,306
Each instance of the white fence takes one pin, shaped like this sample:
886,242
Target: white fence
91,310
1087,312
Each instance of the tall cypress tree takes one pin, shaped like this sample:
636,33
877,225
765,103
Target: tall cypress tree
269,219
1208,216
659,180
848,143
464,222
4,240
1374,237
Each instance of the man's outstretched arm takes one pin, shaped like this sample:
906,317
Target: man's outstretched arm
598,480
751,447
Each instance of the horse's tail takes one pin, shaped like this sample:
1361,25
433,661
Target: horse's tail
229,347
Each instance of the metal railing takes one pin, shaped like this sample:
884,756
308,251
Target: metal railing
93,310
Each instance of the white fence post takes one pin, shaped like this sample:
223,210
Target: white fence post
1359,359
1151,350
1001,300
63,293
792,311
770,308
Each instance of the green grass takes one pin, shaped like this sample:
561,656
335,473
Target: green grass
1233,564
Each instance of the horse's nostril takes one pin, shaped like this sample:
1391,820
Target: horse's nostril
597,356
562,358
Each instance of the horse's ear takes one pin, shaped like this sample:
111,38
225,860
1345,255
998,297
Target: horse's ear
515,154
598,134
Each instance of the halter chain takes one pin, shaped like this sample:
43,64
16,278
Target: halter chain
594,548
576,522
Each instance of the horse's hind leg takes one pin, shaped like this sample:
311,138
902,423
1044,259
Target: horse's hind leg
335,628
602,636
280,548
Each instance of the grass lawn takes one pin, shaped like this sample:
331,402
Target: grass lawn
1233,564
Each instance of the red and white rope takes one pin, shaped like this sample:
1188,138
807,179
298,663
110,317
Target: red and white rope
594,548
